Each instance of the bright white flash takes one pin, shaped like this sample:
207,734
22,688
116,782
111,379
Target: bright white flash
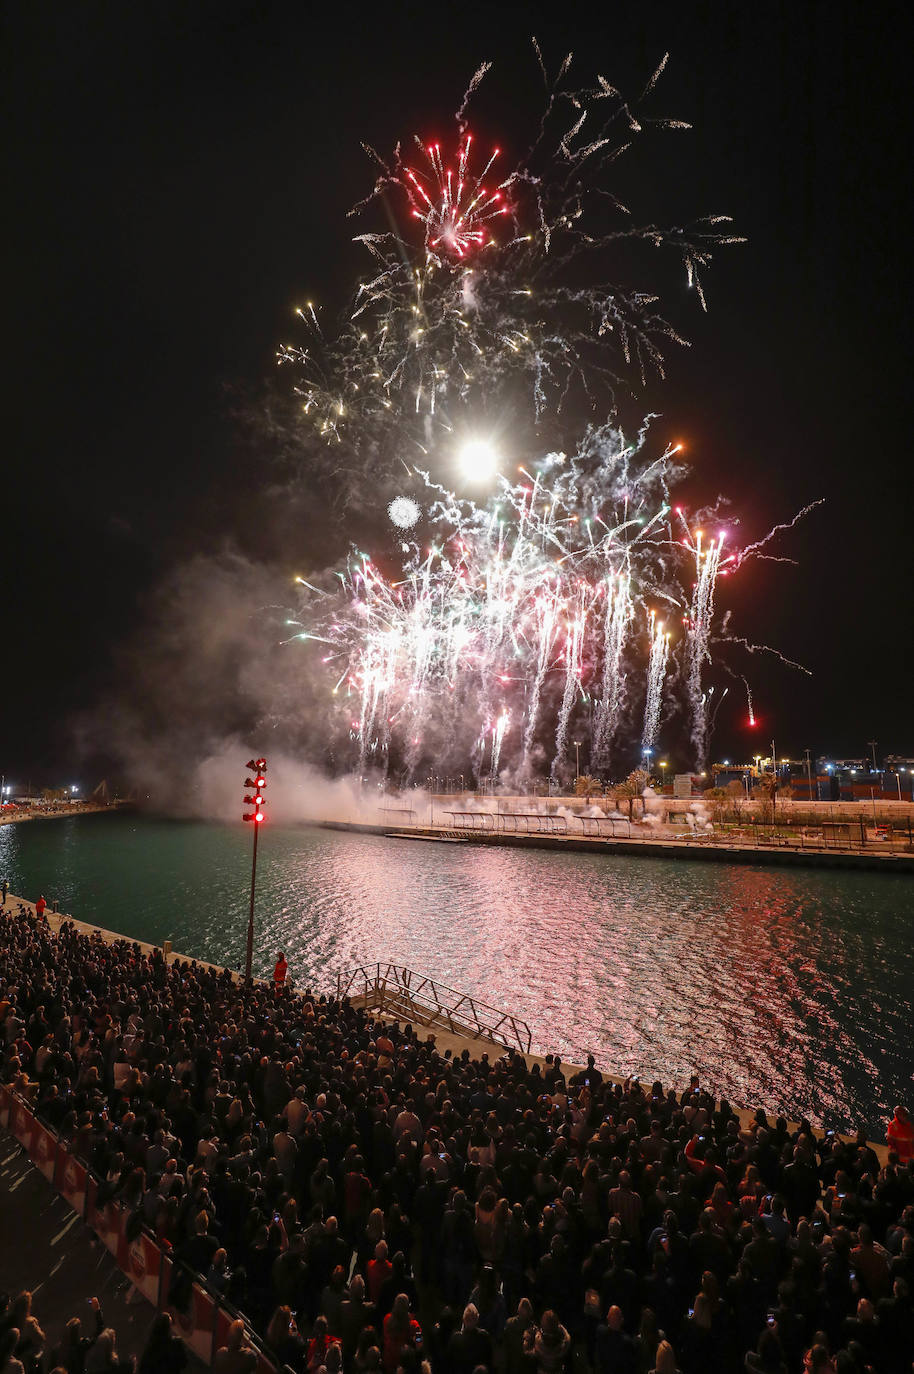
478,460
403,512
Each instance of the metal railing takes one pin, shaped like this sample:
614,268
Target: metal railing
417,997
839,836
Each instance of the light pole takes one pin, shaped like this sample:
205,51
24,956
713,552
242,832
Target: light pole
807,752
663,764
898,783
577,760
872,743
256,784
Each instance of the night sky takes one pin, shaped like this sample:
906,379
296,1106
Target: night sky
176,181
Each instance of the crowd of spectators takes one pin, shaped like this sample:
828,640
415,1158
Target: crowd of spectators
373,1206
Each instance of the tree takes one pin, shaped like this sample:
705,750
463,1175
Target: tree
588,786
634,784
632,787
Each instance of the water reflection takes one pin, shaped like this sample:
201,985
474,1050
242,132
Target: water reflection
786,987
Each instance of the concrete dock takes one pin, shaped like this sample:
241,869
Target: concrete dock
704,849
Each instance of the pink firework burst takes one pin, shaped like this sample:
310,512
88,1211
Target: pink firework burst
453,203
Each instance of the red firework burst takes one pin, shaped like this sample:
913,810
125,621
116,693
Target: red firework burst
453,203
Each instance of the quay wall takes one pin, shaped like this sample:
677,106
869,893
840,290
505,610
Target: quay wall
698,849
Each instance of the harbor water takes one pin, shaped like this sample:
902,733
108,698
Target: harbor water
789,988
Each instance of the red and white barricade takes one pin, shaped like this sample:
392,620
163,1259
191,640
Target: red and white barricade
141,1261
22,1123
196,1326
71,1179
43,1150
106,1221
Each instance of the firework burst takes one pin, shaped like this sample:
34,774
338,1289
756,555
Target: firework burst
542,609
453,204
461,320
403,512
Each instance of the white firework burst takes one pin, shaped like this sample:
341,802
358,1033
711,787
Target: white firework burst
403,512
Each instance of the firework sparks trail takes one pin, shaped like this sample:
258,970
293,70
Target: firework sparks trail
618,617
701,615
656,674
509,622
574,647
498,736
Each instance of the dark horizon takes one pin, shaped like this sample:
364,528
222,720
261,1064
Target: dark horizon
179,182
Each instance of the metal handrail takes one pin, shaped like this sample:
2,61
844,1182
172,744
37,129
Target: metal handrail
429,1002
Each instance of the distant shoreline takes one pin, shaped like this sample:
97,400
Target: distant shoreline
58,813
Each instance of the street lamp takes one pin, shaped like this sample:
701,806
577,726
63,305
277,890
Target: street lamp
663,764
577,759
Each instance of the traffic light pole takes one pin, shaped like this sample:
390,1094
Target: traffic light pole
250,953
256,783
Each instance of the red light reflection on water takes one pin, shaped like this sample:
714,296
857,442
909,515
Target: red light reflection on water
760,980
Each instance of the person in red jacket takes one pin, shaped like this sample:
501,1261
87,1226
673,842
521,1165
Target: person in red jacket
900,1134
400,1329
40,907
279,973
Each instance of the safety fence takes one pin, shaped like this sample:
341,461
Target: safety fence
842,836
203,1324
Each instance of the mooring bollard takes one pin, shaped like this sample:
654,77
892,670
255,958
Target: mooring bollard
166,948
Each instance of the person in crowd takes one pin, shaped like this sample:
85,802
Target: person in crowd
470,1345
280,970
551,1344
70,1353
164,1352
666,1360
235,1357
31,1341
285,1342
401,1331
900,1134
103,1358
